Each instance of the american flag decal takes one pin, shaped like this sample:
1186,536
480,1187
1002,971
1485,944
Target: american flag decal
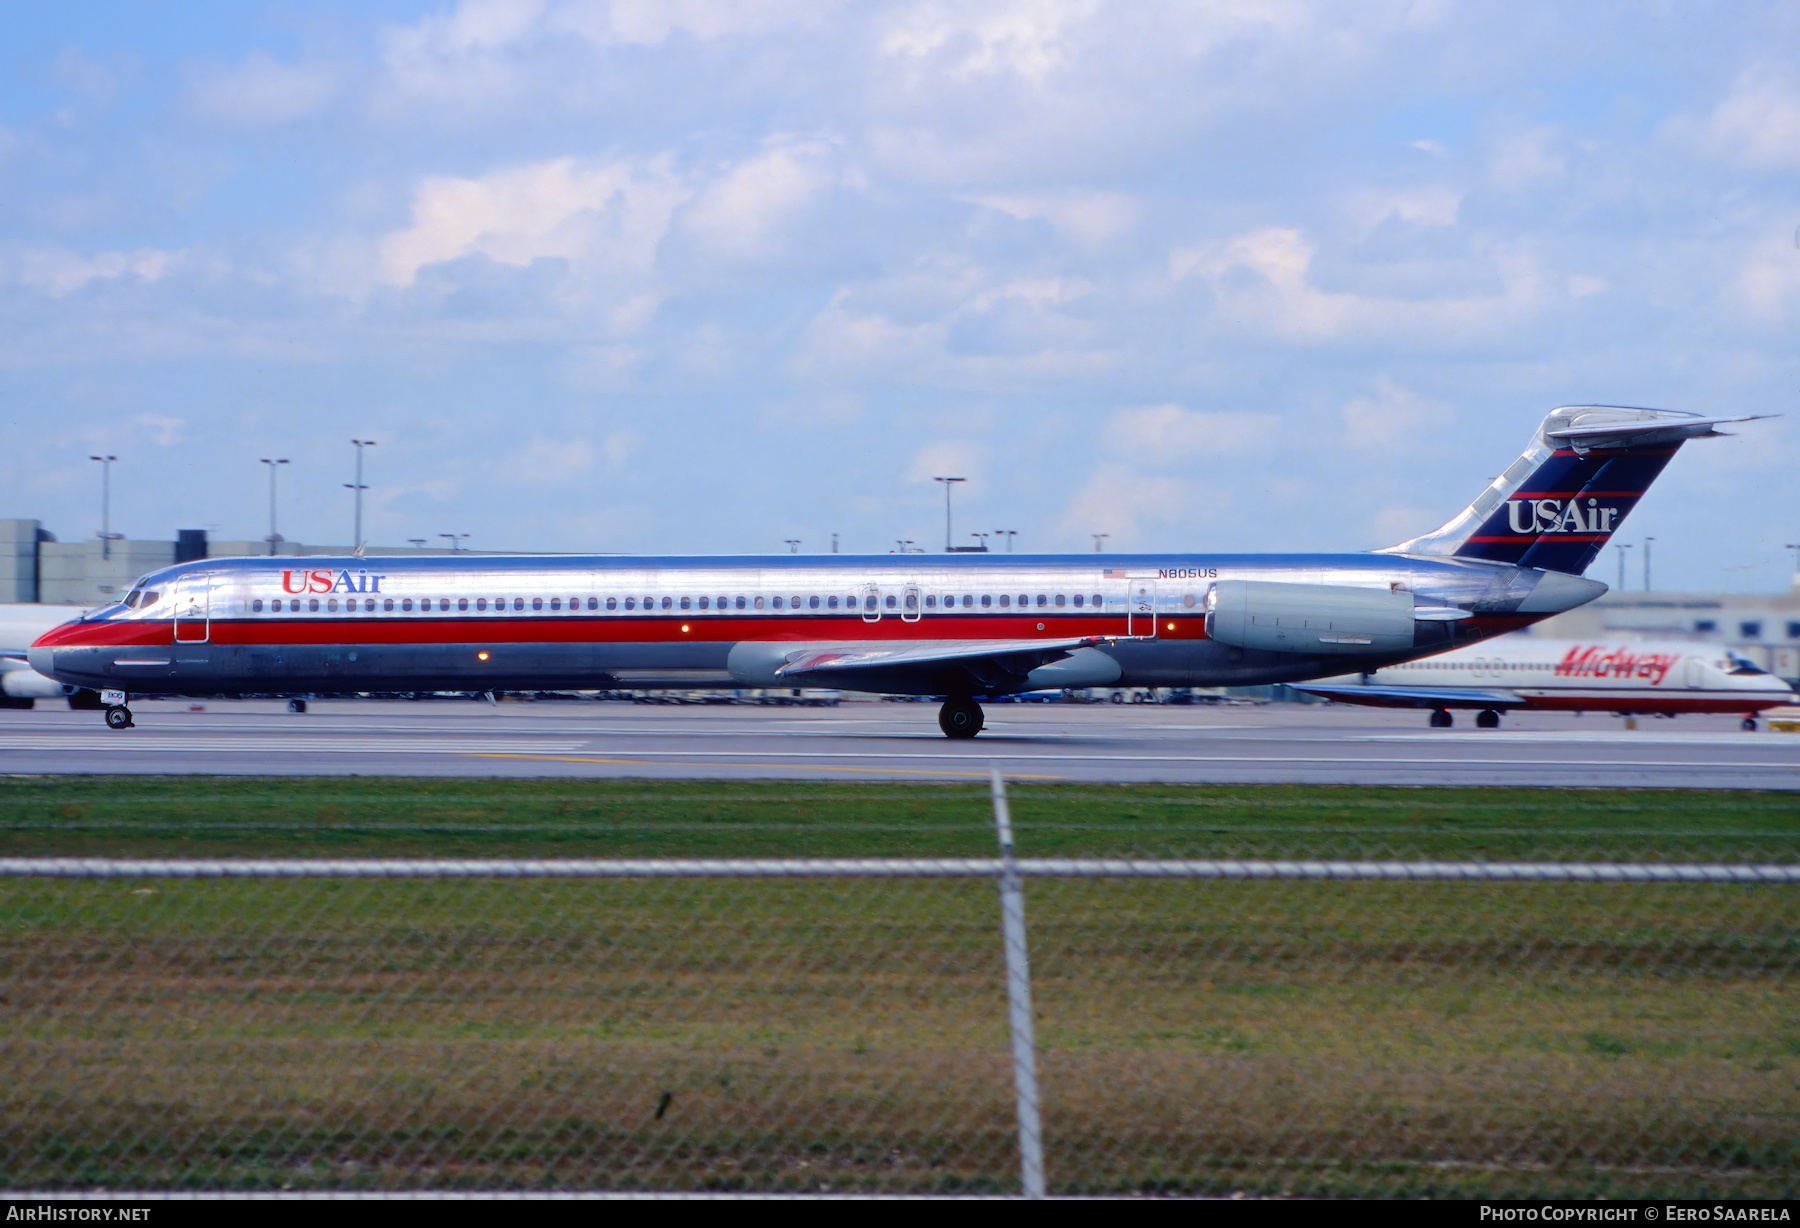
1117,573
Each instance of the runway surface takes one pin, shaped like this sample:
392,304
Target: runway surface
1270,743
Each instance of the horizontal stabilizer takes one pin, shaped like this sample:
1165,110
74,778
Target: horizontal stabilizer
1413,697
1643,434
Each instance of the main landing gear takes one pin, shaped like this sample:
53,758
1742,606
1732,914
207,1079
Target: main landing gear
118,716
1487,719
960,717
1748,724
1441,718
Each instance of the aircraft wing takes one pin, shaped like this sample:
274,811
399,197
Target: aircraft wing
1415,697
985,661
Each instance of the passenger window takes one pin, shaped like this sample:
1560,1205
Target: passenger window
462,603
724,603
869,602
537,603
630,603
612,603
893,603
481,603
1187,599
668,603
1042,601
912,601
685,604
405,605
986,601
387,606
740,603
759,603
1005,600
831,603
1059,601
593,603
1078,600
518,603
931,602
812,603
254,605
331,605
556,603
705,603
778,603
1098,601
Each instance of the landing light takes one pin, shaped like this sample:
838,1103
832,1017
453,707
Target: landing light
481,656
1171,626
684,626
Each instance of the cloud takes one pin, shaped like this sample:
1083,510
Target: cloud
261,91
649,22
616,213
1119,500
945,458
620,446
1756,124
1089,218
1527,159
1262,285
1429,205
462,55
744,213
1160,434
1030,38
1393,415
59,272
549,462
164,429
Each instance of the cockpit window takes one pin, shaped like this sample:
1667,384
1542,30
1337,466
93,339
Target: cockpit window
1743,665
149,599
131,598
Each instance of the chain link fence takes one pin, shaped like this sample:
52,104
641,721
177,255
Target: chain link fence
1399,1028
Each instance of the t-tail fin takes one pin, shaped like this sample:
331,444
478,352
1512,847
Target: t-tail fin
1557,505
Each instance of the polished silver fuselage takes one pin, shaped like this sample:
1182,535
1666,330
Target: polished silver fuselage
485,623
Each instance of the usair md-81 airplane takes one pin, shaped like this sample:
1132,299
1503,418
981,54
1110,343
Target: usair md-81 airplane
961,626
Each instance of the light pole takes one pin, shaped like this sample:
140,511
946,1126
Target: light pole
418,543
358,487
1621,549
274,468
1647,542
1098,538
106,536
983,537
1008,534
948,484
1795,547
834,543
456,540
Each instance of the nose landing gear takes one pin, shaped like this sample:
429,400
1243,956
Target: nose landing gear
1748,724
960,717
118,716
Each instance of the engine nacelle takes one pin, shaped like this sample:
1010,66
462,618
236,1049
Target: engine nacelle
1316,619
29,684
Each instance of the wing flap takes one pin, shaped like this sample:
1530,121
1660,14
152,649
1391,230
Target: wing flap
852,658
1415,697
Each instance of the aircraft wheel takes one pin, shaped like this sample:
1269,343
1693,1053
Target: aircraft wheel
118,717
297,707
1748,724
1118,697
960,718
1441,719
1487,719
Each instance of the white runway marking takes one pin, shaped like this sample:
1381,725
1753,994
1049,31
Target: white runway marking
1633,737
227,743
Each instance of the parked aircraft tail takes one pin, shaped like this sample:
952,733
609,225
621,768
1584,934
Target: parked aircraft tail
1557,505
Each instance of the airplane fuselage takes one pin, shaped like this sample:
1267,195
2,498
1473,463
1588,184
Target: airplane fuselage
485,623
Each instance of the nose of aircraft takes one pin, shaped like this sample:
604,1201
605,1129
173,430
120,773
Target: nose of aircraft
1556,592
39,658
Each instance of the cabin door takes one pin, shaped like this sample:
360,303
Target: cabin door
1140,608
193,609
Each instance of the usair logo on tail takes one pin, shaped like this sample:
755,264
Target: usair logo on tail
1555,516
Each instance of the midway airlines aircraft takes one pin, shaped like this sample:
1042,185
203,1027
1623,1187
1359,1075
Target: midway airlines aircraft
961,626
1524,673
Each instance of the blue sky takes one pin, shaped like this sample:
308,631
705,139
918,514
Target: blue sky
697,276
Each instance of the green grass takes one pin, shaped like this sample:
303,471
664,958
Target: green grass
412,817
1401,1039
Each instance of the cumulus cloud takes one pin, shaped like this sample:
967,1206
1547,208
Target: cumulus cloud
1527,159
551,462
1262,284
1756,124
1121,501
57,271
1088,218
1159,434
746,212
614,212
1391,415
945,458
261,91
1427,205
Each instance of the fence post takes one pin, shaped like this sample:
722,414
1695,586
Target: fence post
1018,999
